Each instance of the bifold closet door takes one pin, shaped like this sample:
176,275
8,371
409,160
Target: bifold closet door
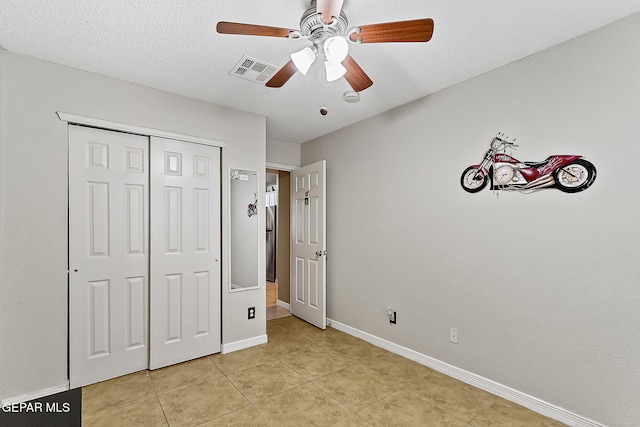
185,251
108,254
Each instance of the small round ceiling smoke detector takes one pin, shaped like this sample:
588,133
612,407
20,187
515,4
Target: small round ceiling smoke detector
351,97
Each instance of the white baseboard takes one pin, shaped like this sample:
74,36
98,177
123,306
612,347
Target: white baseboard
35,395
242,344
283,305
533,403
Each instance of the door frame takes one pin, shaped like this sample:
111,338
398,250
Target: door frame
290,169
283,168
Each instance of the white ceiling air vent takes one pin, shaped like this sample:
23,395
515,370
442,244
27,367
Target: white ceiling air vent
253,70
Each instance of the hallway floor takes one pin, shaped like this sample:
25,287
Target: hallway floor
302,377
274,311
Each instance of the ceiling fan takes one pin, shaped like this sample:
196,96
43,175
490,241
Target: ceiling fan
325,25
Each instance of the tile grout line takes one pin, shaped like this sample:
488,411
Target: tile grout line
155,390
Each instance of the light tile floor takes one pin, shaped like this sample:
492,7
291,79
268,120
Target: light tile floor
302,377
274,311
272,293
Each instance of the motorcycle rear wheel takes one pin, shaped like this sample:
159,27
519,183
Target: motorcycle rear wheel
574,177
473,180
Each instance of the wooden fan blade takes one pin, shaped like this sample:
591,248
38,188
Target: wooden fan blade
224,27
283,75
355,76
329,8
419,30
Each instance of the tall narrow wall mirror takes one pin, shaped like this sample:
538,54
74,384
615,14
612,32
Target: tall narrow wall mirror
243,219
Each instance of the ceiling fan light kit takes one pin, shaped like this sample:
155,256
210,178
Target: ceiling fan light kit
325,25
336,49
303,59
334,70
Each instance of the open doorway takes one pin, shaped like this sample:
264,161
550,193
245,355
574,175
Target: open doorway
278,243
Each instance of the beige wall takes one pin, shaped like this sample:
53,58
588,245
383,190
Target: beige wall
33,196
543,287
283,152
284,242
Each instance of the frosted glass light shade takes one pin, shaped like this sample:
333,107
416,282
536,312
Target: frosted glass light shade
303,59
336,49
334,70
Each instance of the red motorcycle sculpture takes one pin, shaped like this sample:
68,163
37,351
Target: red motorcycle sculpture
568,173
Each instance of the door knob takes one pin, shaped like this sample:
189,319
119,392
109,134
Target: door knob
320,253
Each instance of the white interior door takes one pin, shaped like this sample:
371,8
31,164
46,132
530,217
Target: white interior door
185,251
108,254
308,244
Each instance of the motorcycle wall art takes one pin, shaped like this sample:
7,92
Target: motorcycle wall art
568,173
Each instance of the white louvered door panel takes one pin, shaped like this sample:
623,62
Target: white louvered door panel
108,254
308,244
185,251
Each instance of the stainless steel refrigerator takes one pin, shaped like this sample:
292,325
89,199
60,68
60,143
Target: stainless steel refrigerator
271,242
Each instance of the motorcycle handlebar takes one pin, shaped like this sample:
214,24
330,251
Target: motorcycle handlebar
503,140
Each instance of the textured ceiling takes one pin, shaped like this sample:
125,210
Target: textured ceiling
172,45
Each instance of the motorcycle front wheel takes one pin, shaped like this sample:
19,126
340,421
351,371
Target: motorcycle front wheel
473,180
576,176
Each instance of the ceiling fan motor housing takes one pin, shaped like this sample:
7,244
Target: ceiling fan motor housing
311,26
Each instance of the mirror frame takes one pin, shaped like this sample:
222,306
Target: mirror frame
257,230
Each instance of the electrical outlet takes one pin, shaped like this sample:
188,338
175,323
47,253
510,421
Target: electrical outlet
251,313
453,335
393,317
